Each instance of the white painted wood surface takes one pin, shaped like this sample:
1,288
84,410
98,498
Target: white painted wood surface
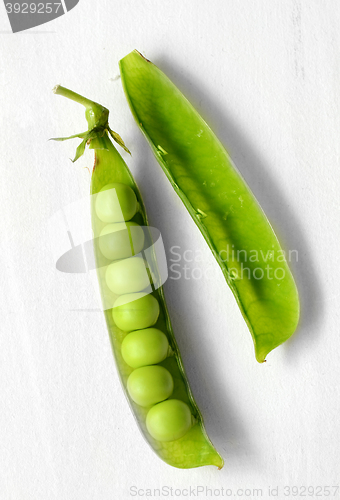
265,75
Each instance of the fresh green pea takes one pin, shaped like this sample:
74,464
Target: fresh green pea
135,311
116,202
219,201
127,276
121,240
145,347
149,385
169,420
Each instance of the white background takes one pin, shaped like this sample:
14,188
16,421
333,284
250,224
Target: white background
266,76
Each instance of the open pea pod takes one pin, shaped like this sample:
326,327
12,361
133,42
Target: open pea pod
219,201
173,416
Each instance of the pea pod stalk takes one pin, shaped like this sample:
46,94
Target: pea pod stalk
194,449
219,201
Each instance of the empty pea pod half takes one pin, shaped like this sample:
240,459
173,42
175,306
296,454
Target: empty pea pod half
143,343
219,201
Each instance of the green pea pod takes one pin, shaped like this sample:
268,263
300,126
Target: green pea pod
219,200
194,448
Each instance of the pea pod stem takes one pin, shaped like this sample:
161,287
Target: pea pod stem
98,115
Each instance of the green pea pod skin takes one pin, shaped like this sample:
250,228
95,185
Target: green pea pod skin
219,200
194,449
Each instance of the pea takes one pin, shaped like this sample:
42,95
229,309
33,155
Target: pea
145,347
127,276
135,311
150,384
121,240
169,420
116,202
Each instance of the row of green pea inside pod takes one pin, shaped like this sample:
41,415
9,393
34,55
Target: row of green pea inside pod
135,312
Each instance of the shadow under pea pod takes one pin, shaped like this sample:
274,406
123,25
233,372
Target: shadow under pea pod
260,177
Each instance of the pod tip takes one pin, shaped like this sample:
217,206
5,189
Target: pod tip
140,54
